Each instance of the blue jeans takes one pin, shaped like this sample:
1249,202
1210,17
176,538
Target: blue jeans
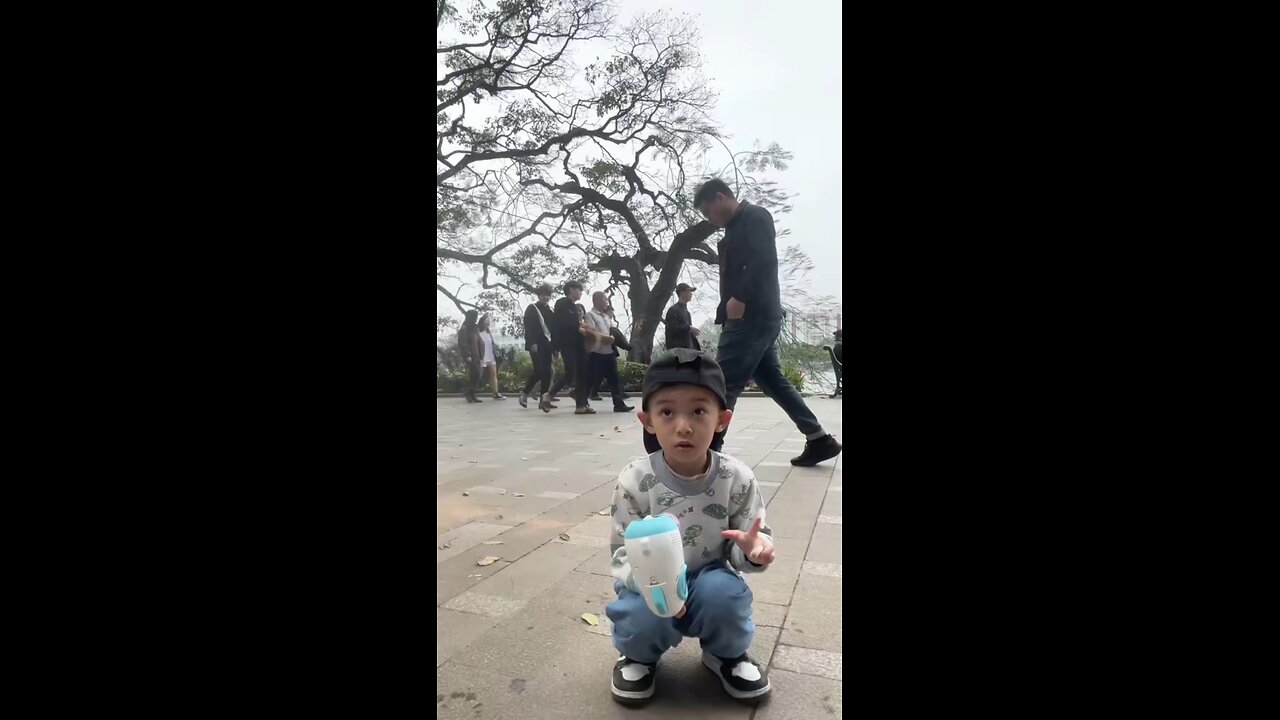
718,613
749,349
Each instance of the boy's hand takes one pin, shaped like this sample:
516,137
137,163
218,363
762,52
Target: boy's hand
757,550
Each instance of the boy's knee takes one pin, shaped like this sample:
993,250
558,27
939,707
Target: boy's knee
630,610
721,587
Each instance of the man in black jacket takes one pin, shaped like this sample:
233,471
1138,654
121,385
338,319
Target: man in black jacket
680,329
565,333
751,312
537,340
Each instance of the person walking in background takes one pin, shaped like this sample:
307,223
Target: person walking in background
537,340
680,329
570,319
837,362
604,357
488,361
619,343
751,312
471,350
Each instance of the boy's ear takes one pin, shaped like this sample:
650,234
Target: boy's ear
644,420
725,417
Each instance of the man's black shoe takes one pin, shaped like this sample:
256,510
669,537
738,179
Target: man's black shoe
815,451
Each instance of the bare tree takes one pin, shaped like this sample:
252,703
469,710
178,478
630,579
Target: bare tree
593,163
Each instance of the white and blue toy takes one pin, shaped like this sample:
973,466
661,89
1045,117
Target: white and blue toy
656,553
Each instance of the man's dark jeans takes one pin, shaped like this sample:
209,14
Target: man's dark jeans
473,378
749,349
577,371
606,367
541,372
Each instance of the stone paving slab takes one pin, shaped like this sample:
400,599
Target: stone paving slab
465,693
538,571
815,619
465,538
827,544
809,662
791,519
597,564
801,697
833,505
775,585
767,615
455,630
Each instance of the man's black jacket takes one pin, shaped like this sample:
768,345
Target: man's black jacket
680,328
533,329
749,265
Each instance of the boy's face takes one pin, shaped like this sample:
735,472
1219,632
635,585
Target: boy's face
685,418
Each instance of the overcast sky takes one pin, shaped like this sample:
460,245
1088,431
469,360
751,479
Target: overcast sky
777,68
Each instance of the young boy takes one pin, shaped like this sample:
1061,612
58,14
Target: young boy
721,514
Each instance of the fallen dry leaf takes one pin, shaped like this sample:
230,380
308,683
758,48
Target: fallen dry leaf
592,620
491,542
488,560
465,494
564,537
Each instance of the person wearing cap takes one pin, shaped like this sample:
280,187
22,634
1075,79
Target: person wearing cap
751,312
680,329
601,353
721,514
537,340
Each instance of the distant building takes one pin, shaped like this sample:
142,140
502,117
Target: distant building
815,328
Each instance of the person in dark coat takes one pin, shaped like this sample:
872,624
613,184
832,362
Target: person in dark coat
751,312
538,320
837,362
567,335
680,329
472,350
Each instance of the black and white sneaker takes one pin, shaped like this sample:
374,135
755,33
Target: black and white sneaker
632,681
741,676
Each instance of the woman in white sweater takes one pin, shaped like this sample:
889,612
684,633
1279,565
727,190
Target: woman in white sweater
489,362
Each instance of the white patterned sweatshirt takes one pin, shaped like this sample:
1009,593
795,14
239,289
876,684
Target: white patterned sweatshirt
726,497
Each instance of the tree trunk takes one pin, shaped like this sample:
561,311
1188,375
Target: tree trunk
648,303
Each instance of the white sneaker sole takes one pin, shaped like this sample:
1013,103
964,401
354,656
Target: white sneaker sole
632,695
712,663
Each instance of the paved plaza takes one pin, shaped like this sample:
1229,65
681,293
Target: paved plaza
533,490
